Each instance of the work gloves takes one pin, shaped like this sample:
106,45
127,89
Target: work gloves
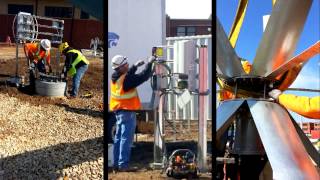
151,59
139,63
32,66
275,94
63,74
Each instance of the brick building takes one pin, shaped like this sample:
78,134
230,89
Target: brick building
311,129
188,27
79,27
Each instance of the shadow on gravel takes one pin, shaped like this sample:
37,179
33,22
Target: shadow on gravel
5,75
48,163
83,111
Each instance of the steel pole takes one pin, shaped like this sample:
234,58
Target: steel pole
203,86
158,128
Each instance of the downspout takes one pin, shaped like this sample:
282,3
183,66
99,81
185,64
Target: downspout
36,9
71,29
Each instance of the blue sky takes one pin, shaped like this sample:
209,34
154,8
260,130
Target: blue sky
252,30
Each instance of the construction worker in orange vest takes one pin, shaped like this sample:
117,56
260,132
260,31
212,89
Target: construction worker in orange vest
305,106
38,55
124,101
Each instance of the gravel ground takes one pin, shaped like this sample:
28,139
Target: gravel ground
48,142
50,138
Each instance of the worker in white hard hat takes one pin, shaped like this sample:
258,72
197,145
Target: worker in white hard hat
124,101
38,55
76,65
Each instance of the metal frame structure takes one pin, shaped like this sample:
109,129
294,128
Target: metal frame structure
27,28
201,92
264,132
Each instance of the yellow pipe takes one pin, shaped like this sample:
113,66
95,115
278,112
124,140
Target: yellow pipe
237,23
234,34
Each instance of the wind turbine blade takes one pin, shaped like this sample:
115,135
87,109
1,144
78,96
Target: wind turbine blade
312,151
285,151
301,58
227,61
224,113
281,35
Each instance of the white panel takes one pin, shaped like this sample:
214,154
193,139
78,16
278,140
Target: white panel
170,97
200,40
140,25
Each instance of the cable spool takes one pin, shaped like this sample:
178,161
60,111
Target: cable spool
53,89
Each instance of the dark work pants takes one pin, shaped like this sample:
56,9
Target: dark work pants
32,74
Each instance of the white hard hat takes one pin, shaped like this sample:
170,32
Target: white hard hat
46,44
118,60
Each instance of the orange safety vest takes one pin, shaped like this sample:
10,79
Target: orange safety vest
123,100
35,53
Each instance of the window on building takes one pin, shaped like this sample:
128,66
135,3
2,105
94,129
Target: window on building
186,31
181,31
191,31
15,8
62,12
84,15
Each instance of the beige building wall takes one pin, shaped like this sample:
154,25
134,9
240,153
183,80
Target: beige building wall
41,6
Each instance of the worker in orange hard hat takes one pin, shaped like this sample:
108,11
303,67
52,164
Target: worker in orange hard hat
305,106
38,55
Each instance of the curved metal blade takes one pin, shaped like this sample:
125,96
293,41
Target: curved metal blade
224,113
281,35
290,77
285,151
301,58
227,61
312,151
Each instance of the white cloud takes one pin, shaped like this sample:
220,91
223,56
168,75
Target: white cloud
306,81
309,76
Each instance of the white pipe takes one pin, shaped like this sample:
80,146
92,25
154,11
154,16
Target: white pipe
175,70
169,96
210,105
200,40
189,37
